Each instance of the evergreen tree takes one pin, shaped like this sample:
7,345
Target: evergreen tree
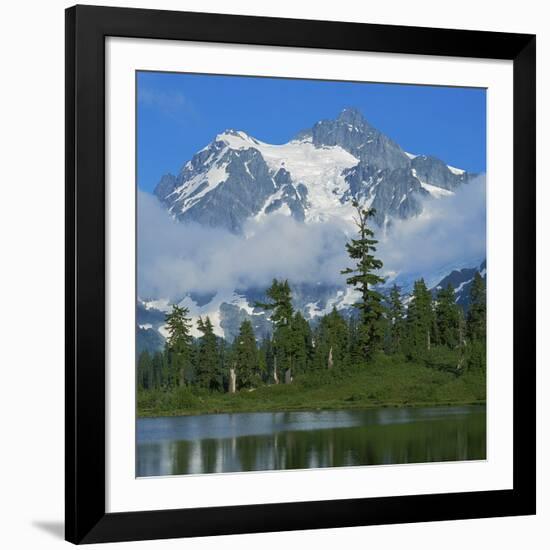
448,318
245,356
281,317
332,342
355,350
225,358
302,343
363,278
476,326
161,369
420,321
266,359
396,319
144,371
262,363
178,343
207,371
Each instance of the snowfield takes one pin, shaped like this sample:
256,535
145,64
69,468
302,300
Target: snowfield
320,169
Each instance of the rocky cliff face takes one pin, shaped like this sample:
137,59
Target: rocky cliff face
461,280
355,135
313,177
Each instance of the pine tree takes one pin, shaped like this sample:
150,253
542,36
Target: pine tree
476,325
225,358
266,359
144,371
420,321
263,362
332,342
245,356
396,319
301,343
448,318
207,372
363,278
281,317
161,369
355,350
178,343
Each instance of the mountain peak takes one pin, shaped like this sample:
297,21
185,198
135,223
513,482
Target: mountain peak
351,115
351,131
311,178
236,138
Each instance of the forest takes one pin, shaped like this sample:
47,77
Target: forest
393,350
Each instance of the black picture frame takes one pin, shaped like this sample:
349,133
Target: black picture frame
86,30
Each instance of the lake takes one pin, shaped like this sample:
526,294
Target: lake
308,439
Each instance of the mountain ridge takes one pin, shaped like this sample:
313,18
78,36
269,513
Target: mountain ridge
313,177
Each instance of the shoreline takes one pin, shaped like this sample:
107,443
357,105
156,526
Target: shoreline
304,408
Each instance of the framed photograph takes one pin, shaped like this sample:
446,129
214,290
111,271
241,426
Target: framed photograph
300,274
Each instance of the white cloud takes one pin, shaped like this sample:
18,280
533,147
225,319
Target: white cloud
175,258
450,232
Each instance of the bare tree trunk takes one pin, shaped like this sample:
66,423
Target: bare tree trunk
288,373
429,341
232,380
288,376
275,377
330,360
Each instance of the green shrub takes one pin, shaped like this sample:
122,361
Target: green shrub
149,399
445,359
181,399
384,381
476,356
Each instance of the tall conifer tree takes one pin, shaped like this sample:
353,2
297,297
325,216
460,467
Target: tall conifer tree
161,369
396,318
207,369
476,326
245,356
302,343
420,321
178,343
282,314
363,277
332,342
144,371
448,318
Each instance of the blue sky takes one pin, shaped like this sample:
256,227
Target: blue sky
178,114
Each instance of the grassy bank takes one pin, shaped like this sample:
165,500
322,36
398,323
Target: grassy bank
388,382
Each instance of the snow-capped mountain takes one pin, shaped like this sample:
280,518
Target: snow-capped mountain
461,281
314,177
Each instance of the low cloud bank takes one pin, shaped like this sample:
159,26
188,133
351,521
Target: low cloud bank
175,258
450,232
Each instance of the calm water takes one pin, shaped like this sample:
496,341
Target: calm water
290,440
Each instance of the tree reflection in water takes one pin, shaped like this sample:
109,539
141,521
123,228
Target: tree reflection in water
384,436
